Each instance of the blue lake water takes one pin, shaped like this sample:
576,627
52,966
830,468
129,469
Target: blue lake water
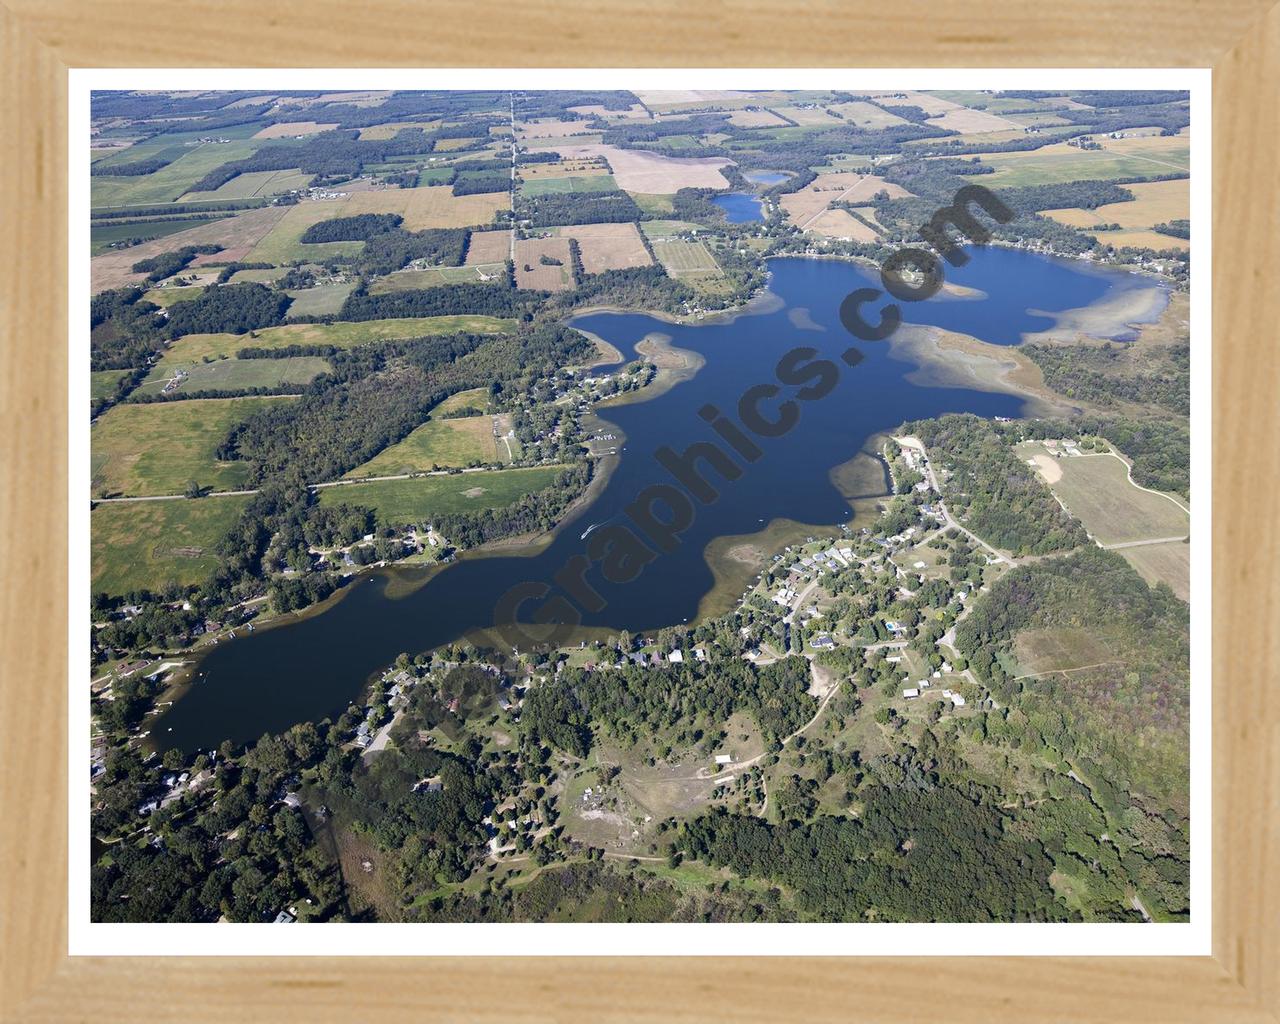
739,208
309,668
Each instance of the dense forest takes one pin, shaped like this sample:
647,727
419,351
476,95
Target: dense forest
991,491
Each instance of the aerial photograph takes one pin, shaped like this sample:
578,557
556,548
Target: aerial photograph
638,506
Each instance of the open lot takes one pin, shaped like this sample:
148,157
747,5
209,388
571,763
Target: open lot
1096,490
233,374
635,112
531,272
343,334
390,129
147,544
608,246
157,448
418,499
102,384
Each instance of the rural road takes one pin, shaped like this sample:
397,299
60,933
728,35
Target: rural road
1143,543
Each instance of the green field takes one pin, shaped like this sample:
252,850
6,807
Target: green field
434,277
1059,163
166,297
146,544
171,181
594,183
157,448
234,374
255,183
685,259
103,383
1097,491
321,300
664,228
437,444
417,500
259,275
102,235
193,348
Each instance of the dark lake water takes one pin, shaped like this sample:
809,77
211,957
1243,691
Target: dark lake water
311,667
739,208
766,177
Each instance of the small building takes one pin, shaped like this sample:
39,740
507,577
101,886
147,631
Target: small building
957,700
724,759
676,657
284,917
910,693
822,642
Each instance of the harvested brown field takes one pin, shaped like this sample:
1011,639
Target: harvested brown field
866,115
677,99
756,119
635,112
292,129
608,246
388,131
488,247
552,129
931,105
237,235
844,186
531,272
1154,202
638,171
970,122
444,145
808,116
578,168
840,224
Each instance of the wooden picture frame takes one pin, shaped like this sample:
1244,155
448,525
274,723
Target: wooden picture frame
42,39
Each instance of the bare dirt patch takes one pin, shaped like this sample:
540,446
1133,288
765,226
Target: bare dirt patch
552,129
1048,467
473,492
841,224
